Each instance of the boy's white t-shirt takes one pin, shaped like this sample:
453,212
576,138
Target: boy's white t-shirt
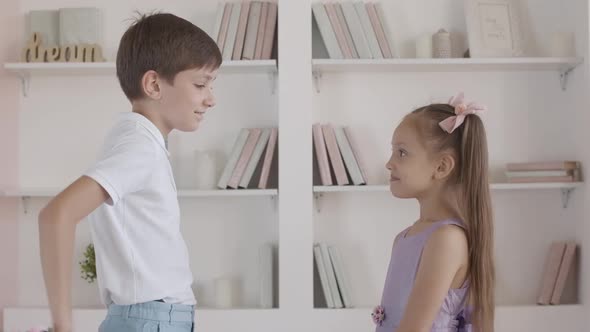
141,255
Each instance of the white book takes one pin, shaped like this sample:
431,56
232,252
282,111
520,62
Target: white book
265,258
331,276
255,159
386,29
361,10
79,26
233,158
346,30
321,266
356,30
218,19
252,30
232,31
325,27
348,156
341,278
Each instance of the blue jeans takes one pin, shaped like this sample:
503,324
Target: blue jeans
149,317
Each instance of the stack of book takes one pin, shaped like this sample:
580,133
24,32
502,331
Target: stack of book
353,30
558,264
336,156
252,160
543,171
246,30
334,285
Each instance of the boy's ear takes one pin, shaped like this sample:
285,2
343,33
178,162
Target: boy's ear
446,165
150,84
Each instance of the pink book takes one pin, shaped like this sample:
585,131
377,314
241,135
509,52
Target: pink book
236,176
334,153
321,155
261,29
241,34
355,152
346,30
541,179
267,163
340,37
224,26
269,33
543,166
550,271
564,270
379,32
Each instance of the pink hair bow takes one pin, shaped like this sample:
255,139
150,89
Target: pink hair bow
461,111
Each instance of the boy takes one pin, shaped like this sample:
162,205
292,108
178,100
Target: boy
165,66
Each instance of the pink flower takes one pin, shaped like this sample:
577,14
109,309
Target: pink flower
378,315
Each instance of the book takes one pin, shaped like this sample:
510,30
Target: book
241,31
244,158
385,26
261,30
321,267
346,30
331,276
335,156
379,31
512,174
255,158
564,270
356,152
348,157
550,272
268,158
232,31
224,26
356,30
79,26
252,30
343,285
541,179
233,158
270,30
265,276
326,31
217,25
361,10
321,155
543,166
334,22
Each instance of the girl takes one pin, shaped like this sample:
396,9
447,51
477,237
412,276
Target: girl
443,262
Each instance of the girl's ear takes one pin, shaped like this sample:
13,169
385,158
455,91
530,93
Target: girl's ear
446,165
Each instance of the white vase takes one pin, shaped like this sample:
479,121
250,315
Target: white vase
424,46
225,293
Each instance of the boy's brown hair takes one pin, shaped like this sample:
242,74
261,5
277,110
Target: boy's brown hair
166,44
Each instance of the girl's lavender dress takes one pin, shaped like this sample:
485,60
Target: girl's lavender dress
403,266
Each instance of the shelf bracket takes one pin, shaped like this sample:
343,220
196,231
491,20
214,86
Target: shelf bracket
317,78
563,76
26,200
25,83
318,201
565,196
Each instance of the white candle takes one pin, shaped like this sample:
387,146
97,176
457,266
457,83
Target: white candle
224,293
205,169
424,46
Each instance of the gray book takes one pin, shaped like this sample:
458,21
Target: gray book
233,158
361,10
325,27
348,157
252,30
356,30
46,24
255,159
79,26
228,48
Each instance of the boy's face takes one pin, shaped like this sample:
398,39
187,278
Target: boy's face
411,169
186,101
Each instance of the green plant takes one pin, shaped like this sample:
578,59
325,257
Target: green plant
88,265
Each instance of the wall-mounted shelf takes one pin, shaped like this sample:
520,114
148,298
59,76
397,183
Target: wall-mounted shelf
563,66
28,193
26,70
566,189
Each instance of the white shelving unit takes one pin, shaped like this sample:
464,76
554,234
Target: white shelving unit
297,225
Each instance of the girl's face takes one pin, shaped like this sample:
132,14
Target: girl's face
412,170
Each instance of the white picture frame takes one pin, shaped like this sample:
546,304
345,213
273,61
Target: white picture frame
493,28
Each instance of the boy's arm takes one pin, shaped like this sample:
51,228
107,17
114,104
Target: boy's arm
57,226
